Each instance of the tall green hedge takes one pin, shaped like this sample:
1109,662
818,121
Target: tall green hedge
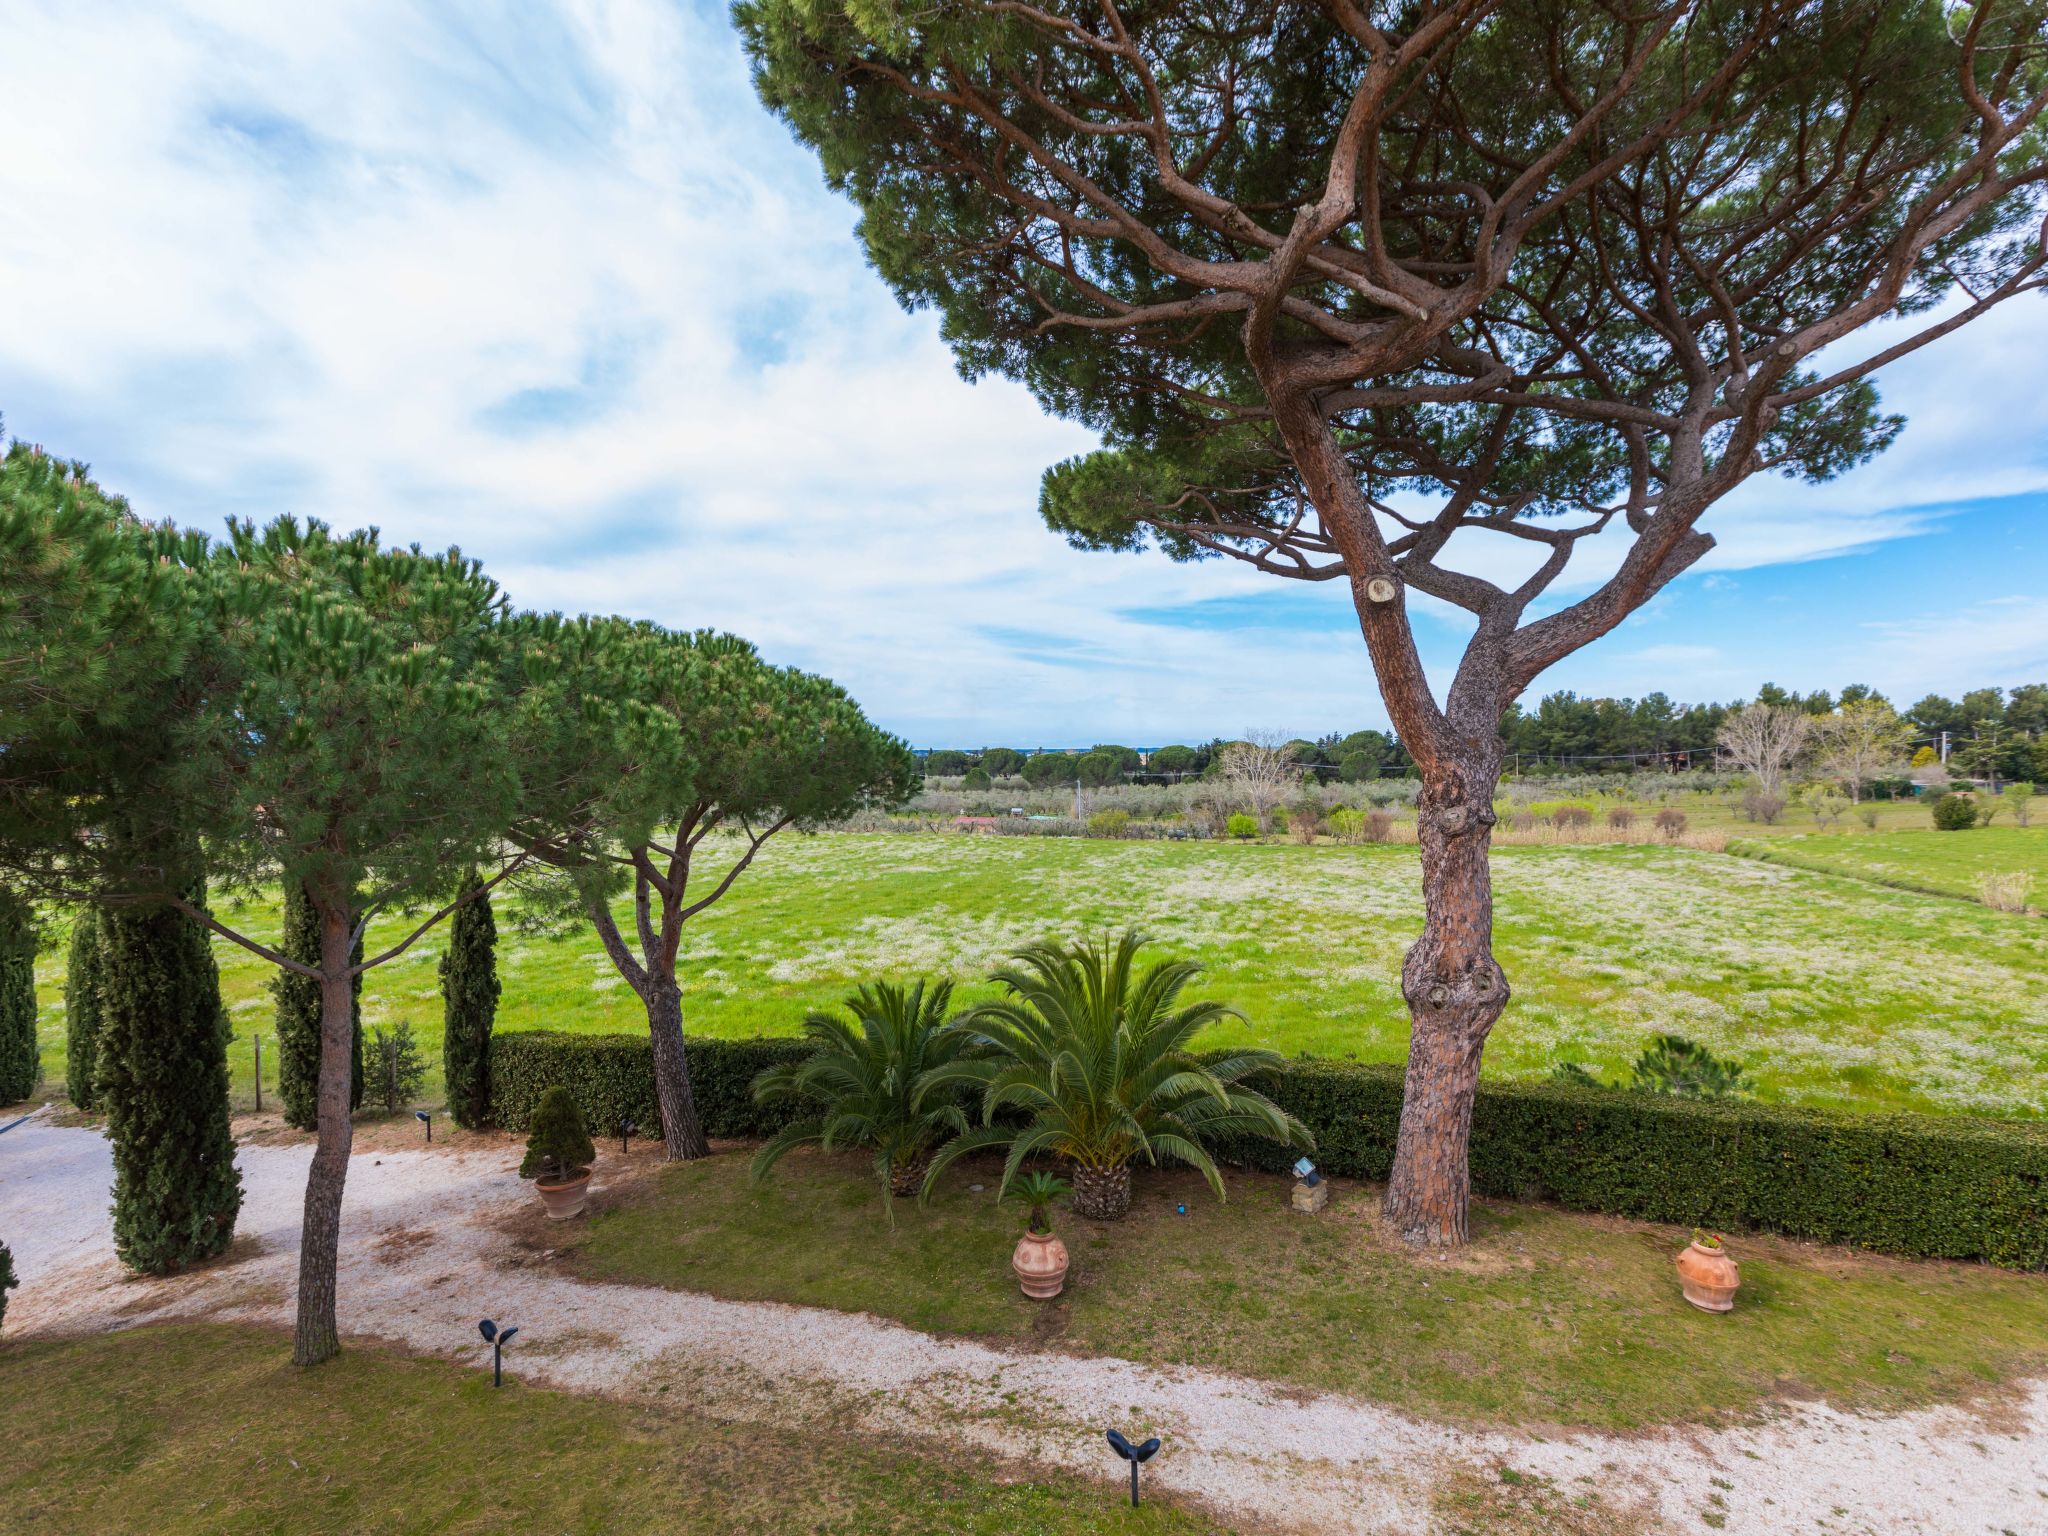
82,1007
1929,1186
469,1005
21,1066
162,1078
298,1018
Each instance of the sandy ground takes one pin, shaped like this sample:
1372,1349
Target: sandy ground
426,1254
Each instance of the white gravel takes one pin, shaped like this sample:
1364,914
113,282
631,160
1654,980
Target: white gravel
424,1259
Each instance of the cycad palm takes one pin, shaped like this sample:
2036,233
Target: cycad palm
1096,1055
864,1081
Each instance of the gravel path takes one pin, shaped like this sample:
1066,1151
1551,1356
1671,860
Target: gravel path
426,1255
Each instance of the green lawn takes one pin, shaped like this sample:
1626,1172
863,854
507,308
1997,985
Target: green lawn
198,1429
1950,863
1549,1318
1836,991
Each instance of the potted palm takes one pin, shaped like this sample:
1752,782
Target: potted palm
559,1153
1040,1262
1087,1060
863,1086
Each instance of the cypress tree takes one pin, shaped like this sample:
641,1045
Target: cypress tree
82,1007
298,1018
469,1005
162,1078
21,1068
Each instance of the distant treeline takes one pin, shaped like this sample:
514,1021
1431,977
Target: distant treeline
1988,731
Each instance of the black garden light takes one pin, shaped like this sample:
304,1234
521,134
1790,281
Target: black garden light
627,1130
497,1338
426,1118
1136,1455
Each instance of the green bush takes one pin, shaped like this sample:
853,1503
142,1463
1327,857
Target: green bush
976,778
1110,823
1955,813
558,1146
612,1078
82,1007
469,1008
21,1066
1242,826
1927,1186
395,1067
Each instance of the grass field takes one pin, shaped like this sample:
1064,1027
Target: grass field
1835,990
1549,1317
196,1429
1947,863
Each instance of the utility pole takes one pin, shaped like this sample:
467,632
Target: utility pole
1944,747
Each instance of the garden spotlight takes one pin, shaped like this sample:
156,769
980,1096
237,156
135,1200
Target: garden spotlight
497,1338
426,1118
1305,1171
1136,1455
627,1129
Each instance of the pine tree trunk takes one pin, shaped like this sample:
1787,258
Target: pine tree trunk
1455,992
315,1336
1102,1194
682,1134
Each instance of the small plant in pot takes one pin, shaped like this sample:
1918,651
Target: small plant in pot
1706,1274
1041,1261
559,1153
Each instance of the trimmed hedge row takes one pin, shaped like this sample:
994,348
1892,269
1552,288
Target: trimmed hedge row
1927,1186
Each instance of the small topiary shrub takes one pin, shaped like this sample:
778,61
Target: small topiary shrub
1241,826
558,1145
1955,812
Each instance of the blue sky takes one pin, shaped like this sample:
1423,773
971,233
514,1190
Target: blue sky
546,282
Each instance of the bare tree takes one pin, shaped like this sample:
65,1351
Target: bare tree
1259,771
1764,741
1350,287
1860,742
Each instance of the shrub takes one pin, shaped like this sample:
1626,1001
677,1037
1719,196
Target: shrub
21,1064
1828,806
2006,892
1763,805
162,1079
82,1007
558,1144
2021,798
977,778
1955,812
862,1086
1571,817
297,1018
1110,823
396,1069
1621,818
612,1079
1347,825
1379,826
469,1009
1671,823
1095,1057
1304,824
1925,1186
1242,826
1867,814
1522,821
1036,1191
1676,1065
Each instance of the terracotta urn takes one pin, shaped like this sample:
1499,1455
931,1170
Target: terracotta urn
564,1197
1708,1276
1041,1265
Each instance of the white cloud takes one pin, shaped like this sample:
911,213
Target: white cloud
332,260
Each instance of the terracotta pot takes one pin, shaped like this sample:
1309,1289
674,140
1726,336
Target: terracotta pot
564,1197
1708,1277
1041,1265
